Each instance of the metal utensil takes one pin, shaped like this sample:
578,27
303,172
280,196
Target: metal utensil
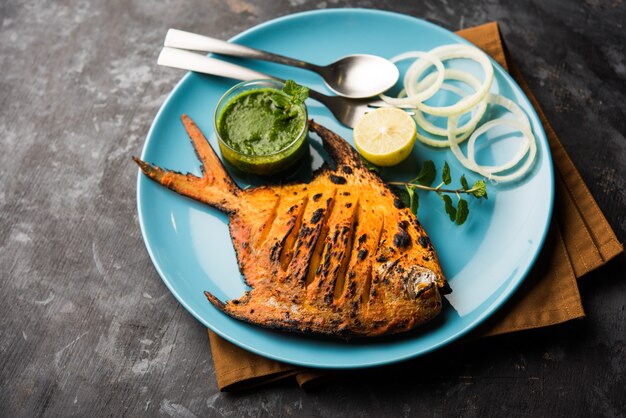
354,76
347,111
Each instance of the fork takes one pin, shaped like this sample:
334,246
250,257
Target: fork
346,111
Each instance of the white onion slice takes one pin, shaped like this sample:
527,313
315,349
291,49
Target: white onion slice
448,52
471,153
522,124
444,143
427,93
477,112
416,92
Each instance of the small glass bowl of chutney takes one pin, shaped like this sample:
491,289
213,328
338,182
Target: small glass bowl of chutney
260,129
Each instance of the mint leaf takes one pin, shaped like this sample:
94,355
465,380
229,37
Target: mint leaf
297,92
445,173
369,165
464,182
459,212
426,175
302,95
413,199
450,210
290,87
462,210
280,101
479,189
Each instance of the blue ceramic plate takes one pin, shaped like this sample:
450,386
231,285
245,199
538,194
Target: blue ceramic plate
485,260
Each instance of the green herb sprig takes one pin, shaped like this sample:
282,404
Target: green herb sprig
297,92
424,180
294,96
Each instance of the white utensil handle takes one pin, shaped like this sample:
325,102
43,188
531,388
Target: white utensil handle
186,40
185,60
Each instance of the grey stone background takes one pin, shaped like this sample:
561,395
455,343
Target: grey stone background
88,328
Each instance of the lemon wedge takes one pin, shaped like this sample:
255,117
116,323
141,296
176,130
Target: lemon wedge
385,136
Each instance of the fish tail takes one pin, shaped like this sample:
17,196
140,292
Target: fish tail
215,188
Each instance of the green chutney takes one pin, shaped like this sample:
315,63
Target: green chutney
263,131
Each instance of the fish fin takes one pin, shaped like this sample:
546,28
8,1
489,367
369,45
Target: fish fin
215,301
215,187
212,168
337,147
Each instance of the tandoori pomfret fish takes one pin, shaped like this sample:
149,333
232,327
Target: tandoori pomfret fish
340,255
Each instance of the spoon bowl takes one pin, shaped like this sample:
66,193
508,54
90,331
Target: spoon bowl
360,75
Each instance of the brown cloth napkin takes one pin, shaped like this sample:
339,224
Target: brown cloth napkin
580,240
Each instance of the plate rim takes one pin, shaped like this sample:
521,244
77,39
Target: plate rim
497,303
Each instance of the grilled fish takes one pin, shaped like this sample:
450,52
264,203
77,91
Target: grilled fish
340,255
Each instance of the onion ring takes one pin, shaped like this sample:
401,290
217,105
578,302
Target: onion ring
477,112
415,93
522,125
448,52
415,98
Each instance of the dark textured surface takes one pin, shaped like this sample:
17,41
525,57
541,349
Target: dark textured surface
87,326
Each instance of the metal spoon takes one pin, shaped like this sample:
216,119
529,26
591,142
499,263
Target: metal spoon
354,76
347,111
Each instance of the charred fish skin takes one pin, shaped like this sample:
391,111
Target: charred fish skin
336,256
